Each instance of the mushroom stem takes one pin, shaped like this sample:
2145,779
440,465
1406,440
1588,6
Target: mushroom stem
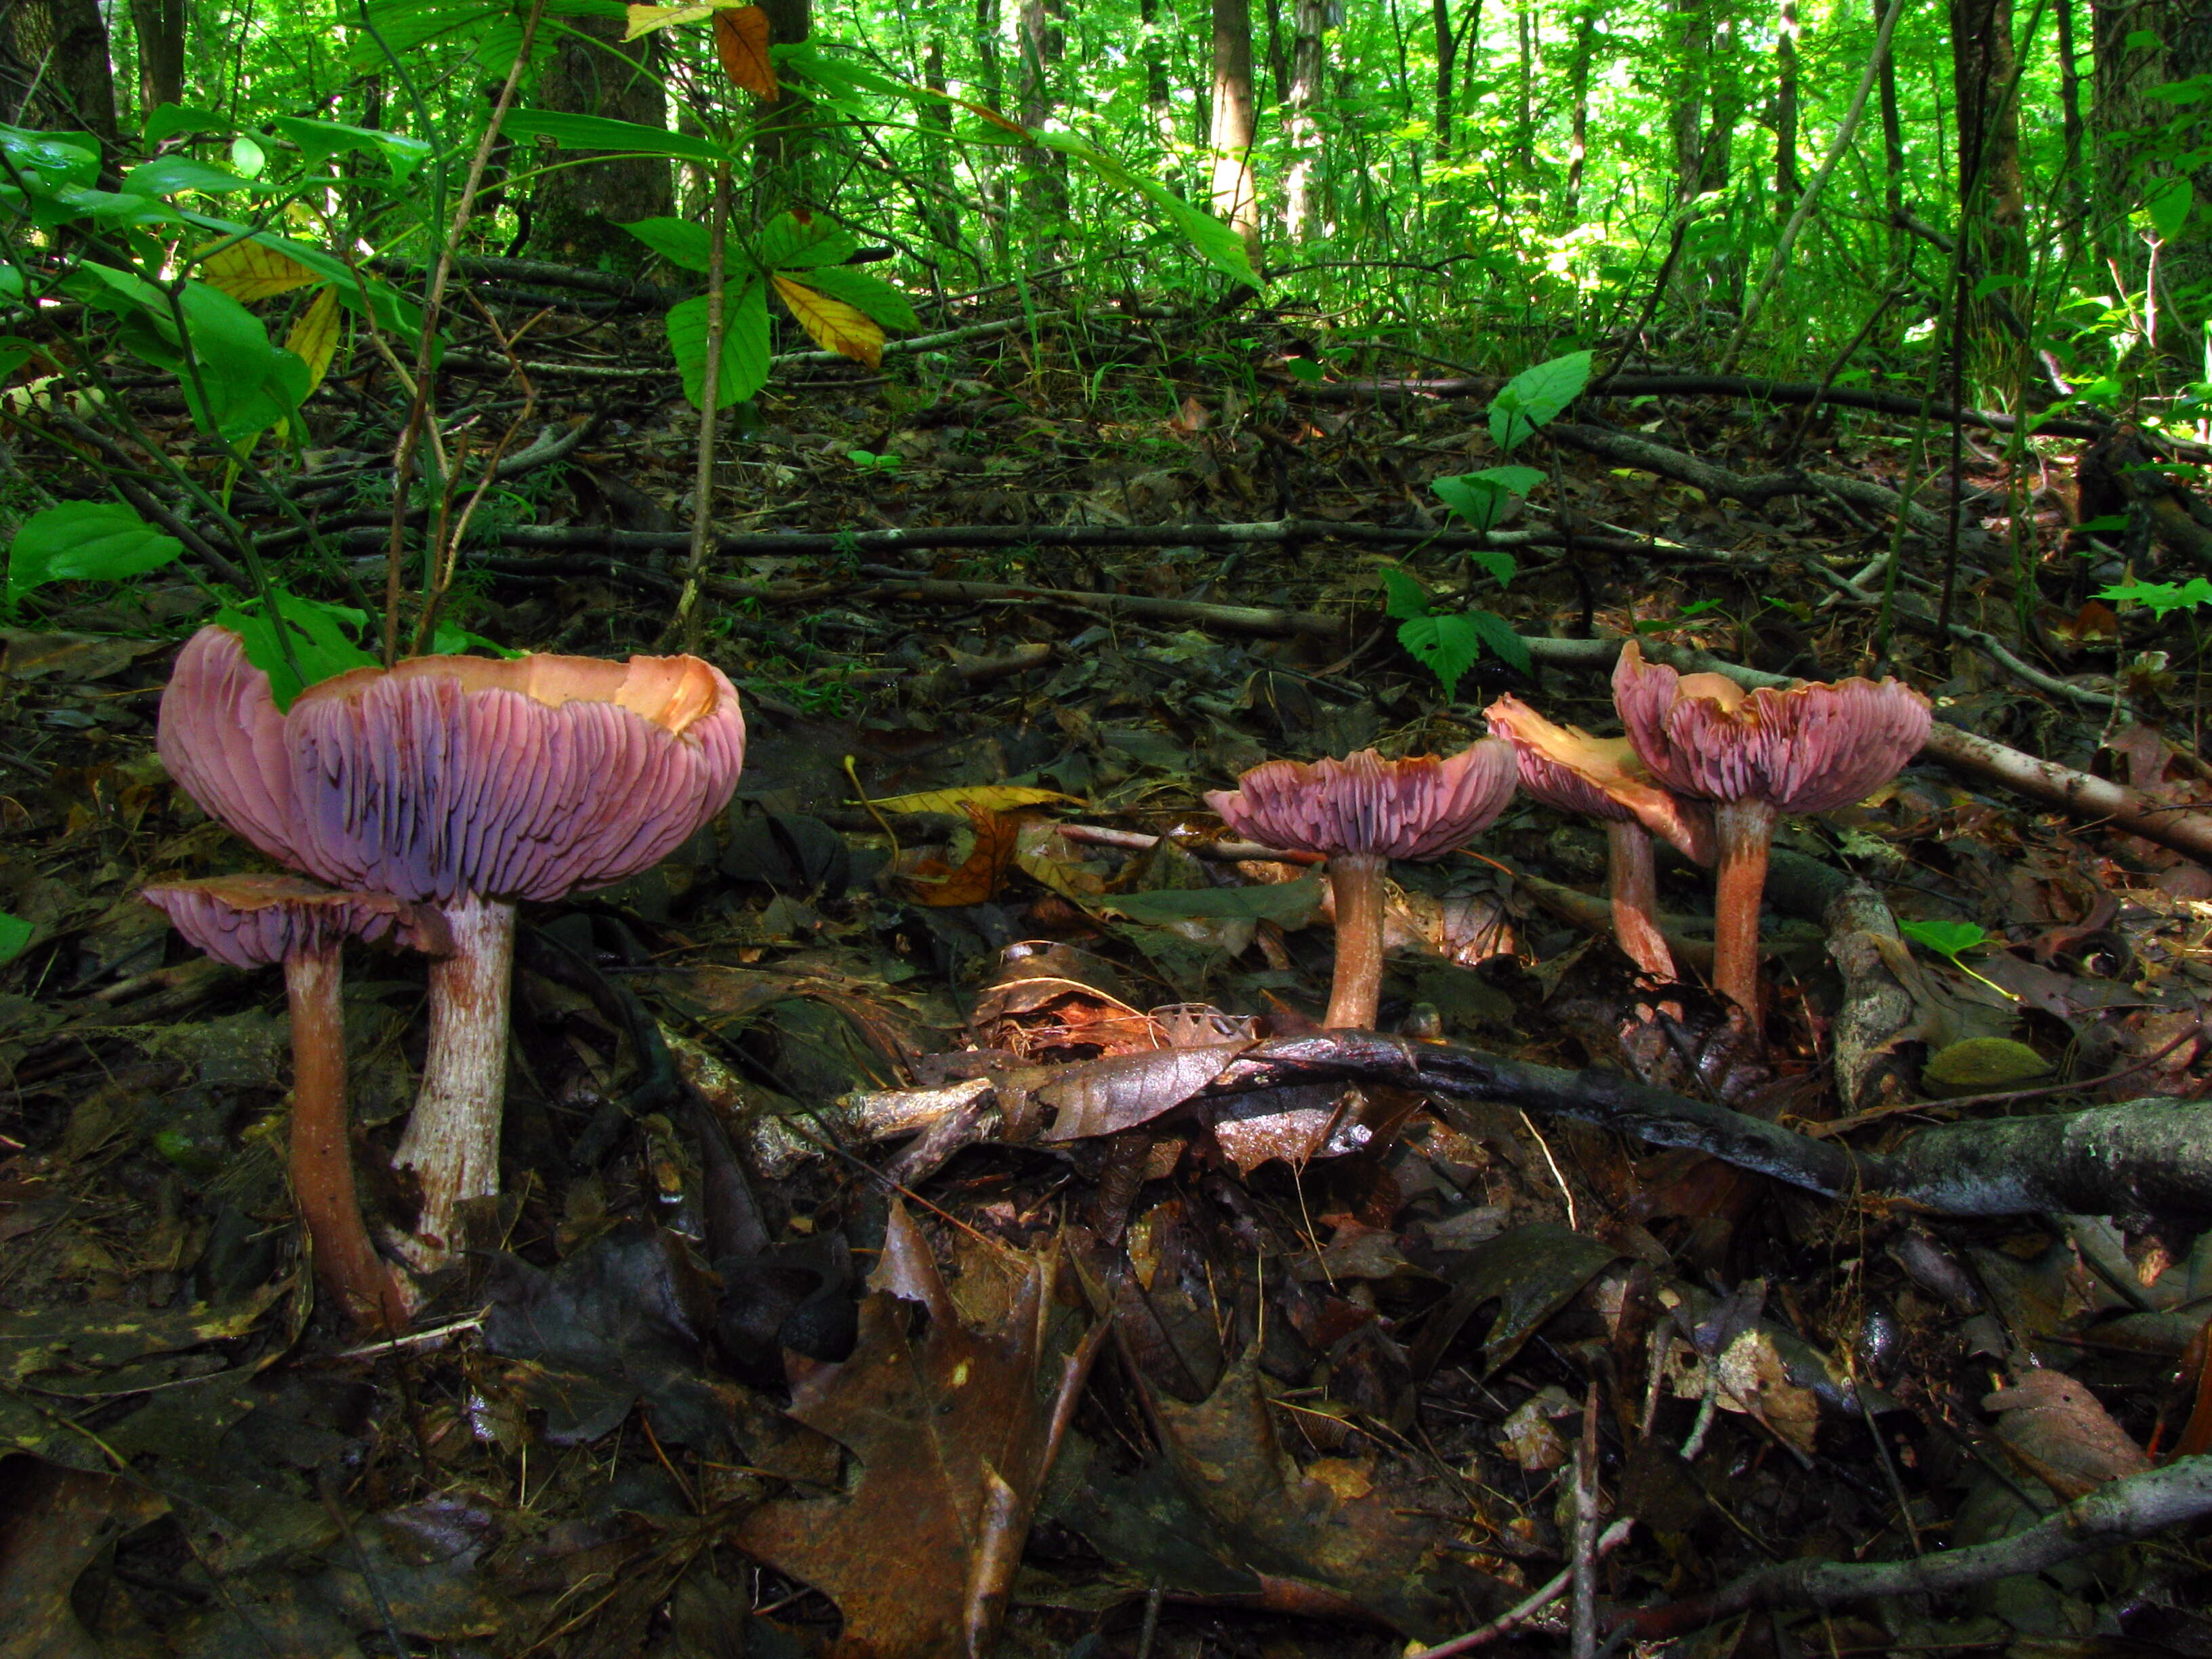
452,1141
1743,830
322,1154
1633,886
1355,880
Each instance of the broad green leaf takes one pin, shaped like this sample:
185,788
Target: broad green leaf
14,937
392,311
84,541
51,160
247,156
597,132
690,246
871,296
236,383
744,344
1946,939
2169,205
1289,902
170,120
1500,564
318,140
167,174
1446,646
1534,398
2160,598
1497,634
322,637
791,243
1481,498
1407,598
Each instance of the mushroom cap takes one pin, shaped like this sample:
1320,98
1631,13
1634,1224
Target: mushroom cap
252,922
1565,767
1809,748
522,778
1418,808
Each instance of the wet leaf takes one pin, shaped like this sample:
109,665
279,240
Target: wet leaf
2057,1430
1104,1096
1531,1272
978,876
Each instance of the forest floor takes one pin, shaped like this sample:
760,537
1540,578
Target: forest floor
1339,1387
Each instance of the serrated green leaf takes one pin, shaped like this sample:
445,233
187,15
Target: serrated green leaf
791,243
1497,634
84,541
1288,902
1478,501
1446,646
1501,566
2160,597
1946,939
1406,598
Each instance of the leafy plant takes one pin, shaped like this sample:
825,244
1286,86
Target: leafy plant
1447,642
14,937
1951,940
868,461
84,541
2161,599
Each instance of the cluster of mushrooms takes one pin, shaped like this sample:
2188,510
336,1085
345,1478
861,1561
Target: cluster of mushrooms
428,798
1705,764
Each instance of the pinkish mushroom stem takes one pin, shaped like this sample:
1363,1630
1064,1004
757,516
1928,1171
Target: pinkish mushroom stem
346,1260
1355,994
1632,885
1744,829
452,1141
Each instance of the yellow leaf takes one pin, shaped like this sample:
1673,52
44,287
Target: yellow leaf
644,20
741,42
247,271
315,338
991,797
834,326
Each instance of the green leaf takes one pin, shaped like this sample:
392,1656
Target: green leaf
683,244
1446,646
871,296
625,138
2160,598
791,243
322,637
84,541
167,174
1497,634
1535,396
2104,523
1481,498
392,311
1946,939
172,120
238,383
1288,901
1305,369
318,140
1408,597
744,344
14,937
1501,566
2168,206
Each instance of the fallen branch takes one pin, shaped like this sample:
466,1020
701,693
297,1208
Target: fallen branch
2135,1506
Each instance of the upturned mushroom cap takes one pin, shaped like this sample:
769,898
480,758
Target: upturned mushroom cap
1418,808
523,778
1564,767
1810,748
255,921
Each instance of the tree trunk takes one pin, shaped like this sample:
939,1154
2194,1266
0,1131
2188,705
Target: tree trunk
1159,98
1447,49
784,135
1893,158
2128,128
61,75
579,210
1789,185
1524,139
991,177
939,208
1690,56
2074,188
1308,64
1578,71
159,27
1236,198
1044,44
1992,213
1278,68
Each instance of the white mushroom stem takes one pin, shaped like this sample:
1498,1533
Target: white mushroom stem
1632,885
1744,830
452,1141
1355,995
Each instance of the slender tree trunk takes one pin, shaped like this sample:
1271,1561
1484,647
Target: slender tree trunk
1278,68
785,133
1524,132
579,210
1690,42
1578,68
1044,44
1787,185
938,209
1236,198
1447,48
1992,214
2073,190
1893,159
1308,64
1159,96
991,177
2124,121
159,27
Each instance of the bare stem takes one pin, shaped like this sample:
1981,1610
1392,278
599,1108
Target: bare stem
1356,880
1744,830
346,1261
452,1141
1633,886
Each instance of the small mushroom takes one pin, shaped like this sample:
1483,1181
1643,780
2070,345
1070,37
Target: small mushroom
468,784
1363,812
255,921
1756,755
1564,767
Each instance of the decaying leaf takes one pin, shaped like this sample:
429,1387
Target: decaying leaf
1104,1096
978,876
249,271
950,1433
992,797
834,326
54,1524
2059,1432
741,41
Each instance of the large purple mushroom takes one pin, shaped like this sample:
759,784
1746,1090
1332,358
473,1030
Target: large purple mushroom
468,784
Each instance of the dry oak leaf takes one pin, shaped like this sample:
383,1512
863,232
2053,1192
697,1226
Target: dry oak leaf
2059,1432
834,326
950,1432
